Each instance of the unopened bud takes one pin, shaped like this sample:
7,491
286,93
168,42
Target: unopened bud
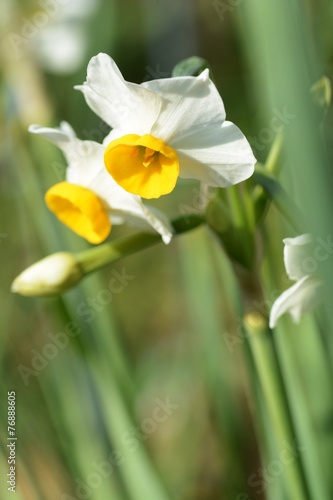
50,276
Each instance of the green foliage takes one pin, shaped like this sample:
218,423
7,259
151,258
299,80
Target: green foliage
192,66
152,389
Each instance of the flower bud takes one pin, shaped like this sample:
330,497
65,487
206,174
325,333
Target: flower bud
50,276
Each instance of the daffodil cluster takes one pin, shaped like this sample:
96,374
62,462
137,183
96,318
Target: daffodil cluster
160,131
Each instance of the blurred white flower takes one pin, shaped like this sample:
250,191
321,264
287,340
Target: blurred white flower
60,44
60,49
90,201
303,296
163,129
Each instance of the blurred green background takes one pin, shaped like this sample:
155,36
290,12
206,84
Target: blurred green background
147,393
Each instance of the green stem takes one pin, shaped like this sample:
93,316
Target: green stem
272,166
140,477
95,258
274,396
299,362
272,163
236,206
281,199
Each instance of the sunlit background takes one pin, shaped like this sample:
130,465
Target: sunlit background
146,392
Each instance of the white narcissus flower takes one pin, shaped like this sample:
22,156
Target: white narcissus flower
304,294
164,129
60,44
89,201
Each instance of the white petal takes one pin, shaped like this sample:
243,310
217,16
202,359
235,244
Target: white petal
129,206
218,156
190,104
116,219
84,158
60,136
67,129
121,104
301,297
114,134
296,252
158,221
87,165
147,219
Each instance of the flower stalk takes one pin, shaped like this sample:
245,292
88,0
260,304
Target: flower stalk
95,258
61,271
274,395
